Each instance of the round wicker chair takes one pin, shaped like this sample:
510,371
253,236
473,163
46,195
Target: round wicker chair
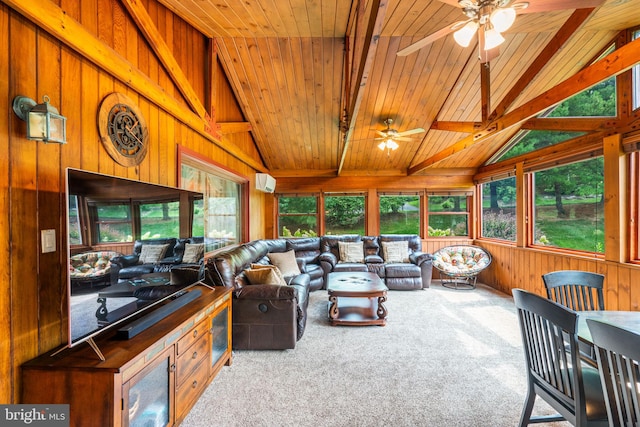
459,265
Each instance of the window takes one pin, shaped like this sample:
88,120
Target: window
499,209
223,221
297,216
568,206
448,215
113,221
197,228
399,214
160,220
75,232
344,214
599,100
527,141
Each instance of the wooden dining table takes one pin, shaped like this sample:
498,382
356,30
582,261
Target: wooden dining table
624,319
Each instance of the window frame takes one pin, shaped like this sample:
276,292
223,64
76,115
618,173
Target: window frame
468,213
317,197
531,218
194,160
323,200
421,208
480,210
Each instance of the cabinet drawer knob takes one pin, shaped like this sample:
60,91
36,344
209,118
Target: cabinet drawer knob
195,333
195,355
194,384
172,368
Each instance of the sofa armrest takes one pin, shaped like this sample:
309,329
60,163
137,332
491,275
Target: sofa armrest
418,258
266,292
302,265
425,262
328,261
125,260
373,259
120,262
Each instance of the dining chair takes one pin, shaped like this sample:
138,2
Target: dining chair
618,354
578,290
554,371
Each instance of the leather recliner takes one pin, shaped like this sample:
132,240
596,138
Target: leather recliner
265,317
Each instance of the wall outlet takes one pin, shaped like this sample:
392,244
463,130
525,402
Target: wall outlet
48,238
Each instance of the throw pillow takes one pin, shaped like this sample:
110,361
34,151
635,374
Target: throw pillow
193,253
262,276
275,269
150,254
395,251
286,262
351,251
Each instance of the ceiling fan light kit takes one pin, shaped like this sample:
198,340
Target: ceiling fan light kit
492,38
389,136
465,34
492,17
503,18
388,145
487,18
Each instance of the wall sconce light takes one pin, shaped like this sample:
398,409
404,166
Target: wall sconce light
44,123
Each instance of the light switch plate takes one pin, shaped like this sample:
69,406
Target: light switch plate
48,241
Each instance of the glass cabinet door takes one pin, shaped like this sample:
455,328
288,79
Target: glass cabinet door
219,335
149,394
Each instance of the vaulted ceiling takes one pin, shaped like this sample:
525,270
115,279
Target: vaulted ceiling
316,79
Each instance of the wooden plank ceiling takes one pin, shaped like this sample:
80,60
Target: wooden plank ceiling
287,64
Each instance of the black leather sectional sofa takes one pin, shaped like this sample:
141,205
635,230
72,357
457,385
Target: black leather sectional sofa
129,266
274,317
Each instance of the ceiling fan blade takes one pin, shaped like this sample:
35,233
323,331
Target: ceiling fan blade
382,134
451,2
410,132
536,6
430,39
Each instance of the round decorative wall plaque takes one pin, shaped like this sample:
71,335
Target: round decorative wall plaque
123,130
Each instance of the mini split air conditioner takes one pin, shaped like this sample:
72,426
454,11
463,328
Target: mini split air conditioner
265,182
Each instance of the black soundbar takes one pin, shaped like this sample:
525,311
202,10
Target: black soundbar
134,328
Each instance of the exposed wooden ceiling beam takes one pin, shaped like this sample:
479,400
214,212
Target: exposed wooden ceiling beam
575,147
485,90
160,47
56,22
466,127
234,127
572,124
617,62
575,21
374,26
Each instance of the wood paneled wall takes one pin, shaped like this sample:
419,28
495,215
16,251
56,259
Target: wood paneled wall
523,268
33,299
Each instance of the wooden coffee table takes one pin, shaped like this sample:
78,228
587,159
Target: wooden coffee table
357,299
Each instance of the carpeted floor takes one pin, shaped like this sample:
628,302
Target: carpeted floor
445,358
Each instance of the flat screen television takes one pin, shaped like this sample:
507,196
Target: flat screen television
106,212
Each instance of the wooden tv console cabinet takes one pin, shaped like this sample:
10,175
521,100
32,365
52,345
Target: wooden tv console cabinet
154,378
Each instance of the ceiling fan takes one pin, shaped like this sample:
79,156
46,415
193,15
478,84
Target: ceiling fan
489,18
389,136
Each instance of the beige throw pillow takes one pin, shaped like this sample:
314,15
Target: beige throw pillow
272,268
193,253
395,251
286,262
263,276
351,251
150,254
